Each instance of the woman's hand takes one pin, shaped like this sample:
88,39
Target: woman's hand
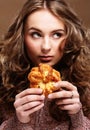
27,102
67,98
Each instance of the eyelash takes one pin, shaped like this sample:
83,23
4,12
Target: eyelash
55,35
35,34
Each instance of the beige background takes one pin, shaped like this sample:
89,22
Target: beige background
10,8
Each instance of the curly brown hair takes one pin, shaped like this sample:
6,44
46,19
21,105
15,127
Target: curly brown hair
74,65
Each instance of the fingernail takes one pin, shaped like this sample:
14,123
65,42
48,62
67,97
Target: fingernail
40,90
43,97
49,96
56,85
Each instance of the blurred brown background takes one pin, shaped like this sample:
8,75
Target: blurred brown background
10,8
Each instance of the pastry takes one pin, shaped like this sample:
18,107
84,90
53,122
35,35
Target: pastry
44,77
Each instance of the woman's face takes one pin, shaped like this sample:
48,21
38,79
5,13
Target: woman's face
44,36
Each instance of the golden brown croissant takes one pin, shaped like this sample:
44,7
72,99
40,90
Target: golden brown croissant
44,77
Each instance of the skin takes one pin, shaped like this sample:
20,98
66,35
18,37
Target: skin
44,41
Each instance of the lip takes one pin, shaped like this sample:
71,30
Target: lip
45,58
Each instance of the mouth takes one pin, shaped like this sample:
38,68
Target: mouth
46,58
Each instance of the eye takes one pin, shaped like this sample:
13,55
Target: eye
57,35
35,35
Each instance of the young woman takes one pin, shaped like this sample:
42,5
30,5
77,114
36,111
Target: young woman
49,32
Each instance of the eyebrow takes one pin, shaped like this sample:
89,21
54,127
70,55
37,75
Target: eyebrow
33,28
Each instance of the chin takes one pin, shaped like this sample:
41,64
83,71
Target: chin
49,63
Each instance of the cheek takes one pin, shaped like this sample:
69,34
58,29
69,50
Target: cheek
31,49
29,45
62,46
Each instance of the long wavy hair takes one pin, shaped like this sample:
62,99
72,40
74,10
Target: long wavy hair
74,65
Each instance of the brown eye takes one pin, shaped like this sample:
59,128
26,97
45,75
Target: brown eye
35,35
57,35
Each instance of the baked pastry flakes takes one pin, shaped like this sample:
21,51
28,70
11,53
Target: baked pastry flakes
44,77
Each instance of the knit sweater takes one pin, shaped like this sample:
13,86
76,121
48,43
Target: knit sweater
41,120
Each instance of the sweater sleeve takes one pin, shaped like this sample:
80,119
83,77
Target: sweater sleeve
14,124
79,121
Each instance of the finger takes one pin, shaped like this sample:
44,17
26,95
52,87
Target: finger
67,101
71,108
62,94
28,106
28,99
67,107
29,91
28,112
65,85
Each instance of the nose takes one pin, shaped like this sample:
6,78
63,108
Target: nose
46,45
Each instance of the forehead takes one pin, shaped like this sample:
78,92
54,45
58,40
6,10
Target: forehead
43,17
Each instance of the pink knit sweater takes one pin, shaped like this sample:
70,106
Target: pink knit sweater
41,120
